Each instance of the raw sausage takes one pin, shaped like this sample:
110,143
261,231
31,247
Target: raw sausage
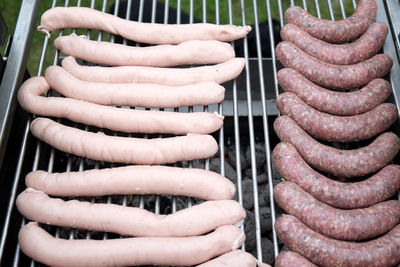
134,94
355,224
344,54
336,103
218,73
237,258
137,180
341,31
188,52
152,33
130,221
329,75
373,190
113,118
324,251
39,245
342,163
337,128
99,146
292,259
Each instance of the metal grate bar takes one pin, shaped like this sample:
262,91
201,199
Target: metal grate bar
342,9
318,9
330,10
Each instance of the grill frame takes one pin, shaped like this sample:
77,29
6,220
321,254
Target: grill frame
265,110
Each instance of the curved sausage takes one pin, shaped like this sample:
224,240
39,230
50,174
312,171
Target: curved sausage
329,75
341,31
188,52
131,221
324,251
134,94
341,163
366,193
113,118
152,33
218,73
137,180
336,103
237,258
355,224
365,47
99,146
292,259
39,245
337,128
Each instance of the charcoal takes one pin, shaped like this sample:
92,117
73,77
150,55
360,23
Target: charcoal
259,149
250,231
247,193
265,220
267,248
230,173
262,178
276,177
263,196
232,159
248,172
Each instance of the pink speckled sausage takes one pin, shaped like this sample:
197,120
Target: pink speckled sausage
188,52
365,47
342,163
39,245
134,94
137,180
292,259
355,224
219,73
366,193
113,118
336,103
152,33
237,258
324,251
329,75
99,146
341,31
337,128
131,221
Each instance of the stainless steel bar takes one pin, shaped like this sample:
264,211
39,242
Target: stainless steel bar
178,12
305,5
393,8
342,9
281,19
330,9
318,9
204,11
291,2
166,5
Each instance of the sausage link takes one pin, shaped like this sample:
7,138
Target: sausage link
188,52
99,146
341,31
355,224
39,245
292,259
324,251
344,54
337,128
373,190
237,258
341,163
330,75
336,103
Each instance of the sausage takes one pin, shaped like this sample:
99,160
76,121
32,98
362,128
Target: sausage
39,245
366,193
218,73
341,31
344,54
134,94
152,33
98,146
355,224
330,75
336,103
137,180
341,163
130,221
113,118
188,52
337,128
236,258
292,259
324,251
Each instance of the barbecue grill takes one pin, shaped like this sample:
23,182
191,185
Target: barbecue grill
249,110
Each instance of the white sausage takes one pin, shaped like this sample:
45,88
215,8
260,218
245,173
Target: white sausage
188,52
81,17
130,221
113,118
237,258
137,179
133,94
99,146
37,244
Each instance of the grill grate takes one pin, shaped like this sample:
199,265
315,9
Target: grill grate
252,98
